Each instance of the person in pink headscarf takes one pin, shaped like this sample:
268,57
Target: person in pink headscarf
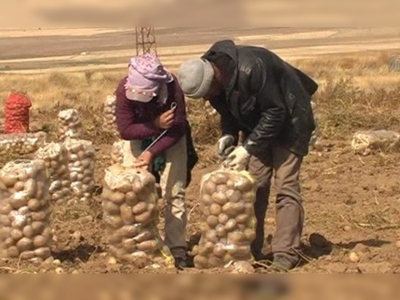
144,100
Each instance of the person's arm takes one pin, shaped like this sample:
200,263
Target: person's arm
273,111
178,129
125,114
227,121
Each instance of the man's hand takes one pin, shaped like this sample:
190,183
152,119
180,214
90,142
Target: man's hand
225,145
143,161
166,120
238,160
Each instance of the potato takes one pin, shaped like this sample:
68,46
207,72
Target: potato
9,242
219,178
9,180
244,185
137,187
144,236
249,234
236,237
222,188
219,250
5,207
19,186
240,252
206,200
127,214
130,231
233,196
39,241
229,209
47,233
18,201
13,252
200,261
242,219
113,221
40,216
114,239
28,231
214,262
143,218
219,198
220,231
215,209
227,258
34,205
37,227
24,244
139,208
230,184
110,207
131,198
148,246
129,245
223,219
43,253
212,221
27,255
117,198
231,225
211,236
209,188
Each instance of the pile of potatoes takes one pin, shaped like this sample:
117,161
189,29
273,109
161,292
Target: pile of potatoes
55,156
110,118
130,213
21,143
81,164
117,152
69,125
228,220
25,210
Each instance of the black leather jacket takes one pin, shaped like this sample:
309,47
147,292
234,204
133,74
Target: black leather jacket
265,97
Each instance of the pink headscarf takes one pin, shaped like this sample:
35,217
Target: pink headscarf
147,79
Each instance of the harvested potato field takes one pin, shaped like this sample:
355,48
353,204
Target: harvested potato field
352,200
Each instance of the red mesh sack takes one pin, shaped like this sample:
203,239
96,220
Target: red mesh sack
17,113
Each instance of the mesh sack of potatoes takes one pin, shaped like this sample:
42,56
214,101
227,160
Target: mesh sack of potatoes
227,219
81,164
131,215
110,119
55,156
25,210
69,124
117,152
366,142
21,143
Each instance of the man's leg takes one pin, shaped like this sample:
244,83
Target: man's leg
262,172
173,183
289,208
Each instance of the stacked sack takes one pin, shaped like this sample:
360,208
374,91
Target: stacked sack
21,143
369,141
69,125
24,211
131,215
81,166
228,219
110,118
55,157
17,113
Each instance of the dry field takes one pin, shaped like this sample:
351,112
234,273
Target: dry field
352,202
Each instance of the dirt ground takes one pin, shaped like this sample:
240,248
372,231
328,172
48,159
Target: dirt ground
352,203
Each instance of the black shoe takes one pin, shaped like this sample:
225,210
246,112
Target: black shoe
180,263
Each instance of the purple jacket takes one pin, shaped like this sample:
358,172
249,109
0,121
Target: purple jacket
135,120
